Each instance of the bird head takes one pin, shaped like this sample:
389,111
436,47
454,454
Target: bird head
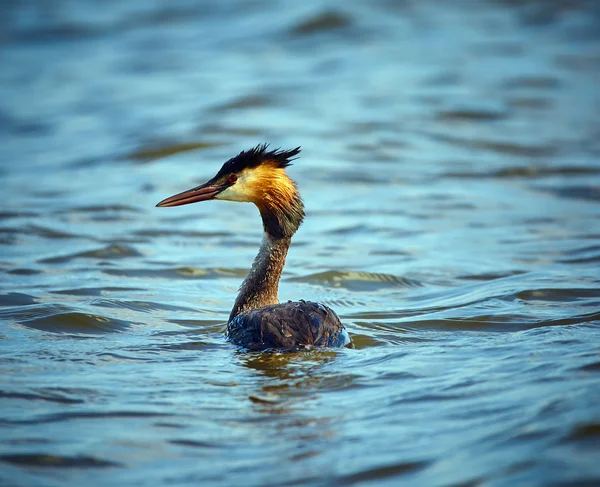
257,176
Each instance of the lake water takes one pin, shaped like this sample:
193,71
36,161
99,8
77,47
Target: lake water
451,175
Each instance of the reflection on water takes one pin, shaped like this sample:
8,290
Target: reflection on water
450,174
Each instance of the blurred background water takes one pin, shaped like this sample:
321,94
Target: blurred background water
451,175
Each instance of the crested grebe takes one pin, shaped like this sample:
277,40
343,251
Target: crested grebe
258,321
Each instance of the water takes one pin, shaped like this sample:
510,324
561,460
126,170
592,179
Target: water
451,178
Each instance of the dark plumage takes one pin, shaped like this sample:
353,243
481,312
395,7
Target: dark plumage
255,157
257,320
288,326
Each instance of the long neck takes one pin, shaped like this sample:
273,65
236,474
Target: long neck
262,283
282,212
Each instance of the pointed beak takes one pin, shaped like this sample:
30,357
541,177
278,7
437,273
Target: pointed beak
200,193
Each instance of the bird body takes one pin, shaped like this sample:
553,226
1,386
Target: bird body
289,326
258,321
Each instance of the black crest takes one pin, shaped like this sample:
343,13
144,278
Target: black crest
255,157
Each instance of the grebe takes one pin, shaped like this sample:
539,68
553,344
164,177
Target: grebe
258,321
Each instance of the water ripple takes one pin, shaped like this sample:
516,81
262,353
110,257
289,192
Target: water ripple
356,280
178,273
55,321
44,460
113,251
381,472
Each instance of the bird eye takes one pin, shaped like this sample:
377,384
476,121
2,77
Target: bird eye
232,178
